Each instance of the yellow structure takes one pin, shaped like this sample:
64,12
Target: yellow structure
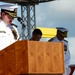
48,32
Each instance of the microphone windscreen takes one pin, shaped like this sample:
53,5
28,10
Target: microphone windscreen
19,19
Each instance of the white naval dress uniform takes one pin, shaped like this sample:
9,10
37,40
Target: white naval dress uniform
6,36
66,54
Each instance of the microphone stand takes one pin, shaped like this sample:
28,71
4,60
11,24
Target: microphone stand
22,32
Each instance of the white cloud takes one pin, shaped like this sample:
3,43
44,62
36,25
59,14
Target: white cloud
59,9
64,7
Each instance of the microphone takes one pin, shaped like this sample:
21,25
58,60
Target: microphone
21,21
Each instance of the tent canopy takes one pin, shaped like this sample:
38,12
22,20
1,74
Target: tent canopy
24,2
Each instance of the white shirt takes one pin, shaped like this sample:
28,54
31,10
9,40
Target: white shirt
6,36
66,52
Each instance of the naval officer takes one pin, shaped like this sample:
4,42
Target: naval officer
8,31
61,34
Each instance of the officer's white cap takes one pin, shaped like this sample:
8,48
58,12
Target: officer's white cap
62,29
9,7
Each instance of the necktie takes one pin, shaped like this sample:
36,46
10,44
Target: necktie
13,31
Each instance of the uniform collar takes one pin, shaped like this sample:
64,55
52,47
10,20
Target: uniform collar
3,23
58,40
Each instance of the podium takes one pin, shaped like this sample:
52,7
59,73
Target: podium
32,57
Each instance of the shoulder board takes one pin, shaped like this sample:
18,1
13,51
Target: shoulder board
2,32
65,40
14,25
50,39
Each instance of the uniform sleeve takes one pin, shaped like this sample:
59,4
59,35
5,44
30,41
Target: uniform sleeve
67,56
50,40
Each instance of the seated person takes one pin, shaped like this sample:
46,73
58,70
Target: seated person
36,35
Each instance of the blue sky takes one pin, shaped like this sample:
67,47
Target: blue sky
58,13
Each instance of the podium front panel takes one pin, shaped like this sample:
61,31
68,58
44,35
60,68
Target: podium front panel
46,57
32,57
